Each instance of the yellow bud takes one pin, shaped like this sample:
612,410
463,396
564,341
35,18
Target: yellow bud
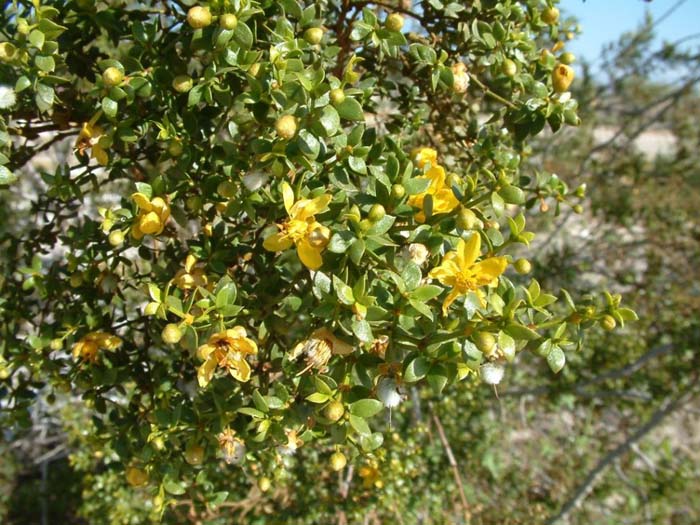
136,477
313,35
522,266
264,484
467,219
56,344
171,334
228,21
337,96
376,213
194,454
7,51
334,411
226,189
175,148
394,22
485,342
608,322
116,238
550,16
286,127
112,76
338,461
509,68
198,17
208,229
562,77
182,83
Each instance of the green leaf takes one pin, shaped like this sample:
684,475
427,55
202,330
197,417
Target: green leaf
173,486
362,330
556,359
110,107
36,38
359,424
507,345
416,369
317,397
260,402
46,64
416,185
365,408
243,35
422,308
498,204
308,144
383,225
411,275
371,442
341,241
426,292
350,109
44,97
343,292
357,250
330,121
521,332
22,84
6,176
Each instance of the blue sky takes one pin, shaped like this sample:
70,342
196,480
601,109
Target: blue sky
602,21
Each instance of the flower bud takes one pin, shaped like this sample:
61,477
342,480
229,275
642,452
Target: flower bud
334,411
485,342
149,223
337,96
398,191
112,76
394,22
194,454
198,17
313,35
175,148
509,68
467,219
286,127
522,266
550,16
182,83
171,334
136,477
226,189
338,461
116,238
264,484
567,58
376,213
608,322
228,21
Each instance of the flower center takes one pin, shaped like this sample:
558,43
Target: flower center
464,282
297,229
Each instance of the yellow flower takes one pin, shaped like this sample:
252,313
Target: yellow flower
293,443
301,229
191,276
153,214
444,200
89,137
370,477
319,347
460,270
424,155
228,350
87,348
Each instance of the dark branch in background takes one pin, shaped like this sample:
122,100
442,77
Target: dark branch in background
579,494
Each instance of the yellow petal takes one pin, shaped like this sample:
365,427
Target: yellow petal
468,252
206,372
204,351
100,155
490,269
149,223
444,201
236,332
136,232
446,272
142,201
454,293
308,207
287,196
240,369
310,256
277,242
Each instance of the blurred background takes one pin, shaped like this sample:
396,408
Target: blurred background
614,438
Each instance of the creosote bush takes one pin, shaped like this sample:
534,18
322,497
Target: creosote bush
314,210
